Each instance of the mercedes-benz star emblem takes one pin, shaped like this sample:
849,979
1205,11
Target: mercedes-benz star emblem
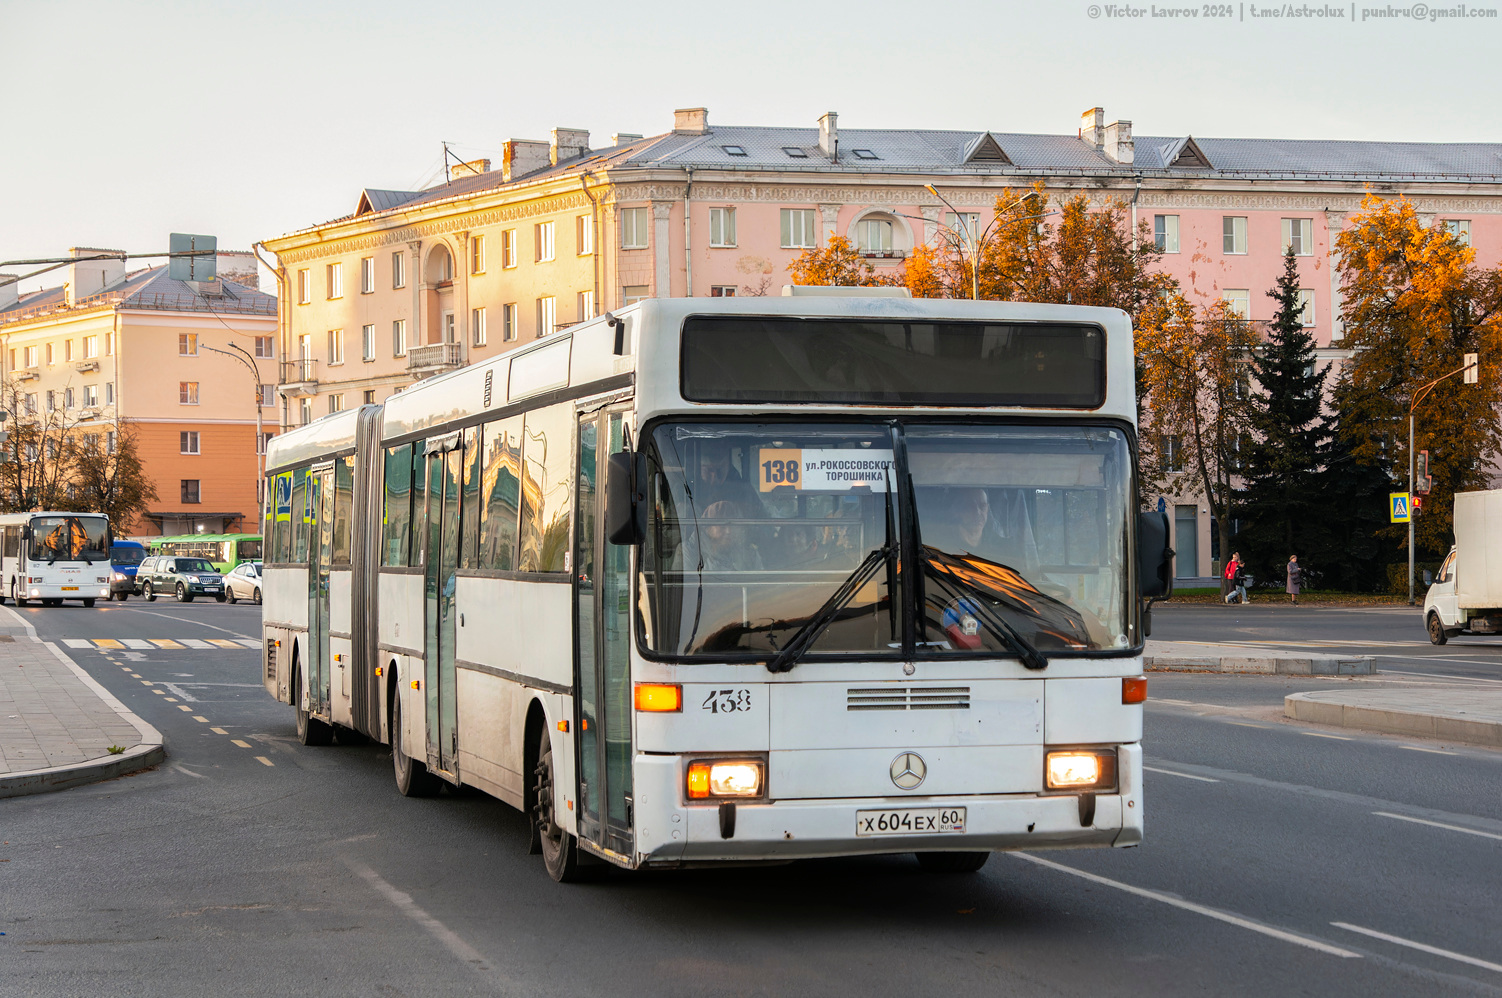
908,770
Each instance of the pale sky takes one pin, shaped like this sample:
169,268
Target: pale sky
121,122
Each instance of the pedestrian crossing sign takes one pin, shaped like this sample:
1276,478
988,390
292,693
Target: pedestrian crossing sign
1400,508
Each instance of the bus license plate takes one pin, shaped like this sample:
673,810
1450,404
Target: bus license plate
910,821
70,589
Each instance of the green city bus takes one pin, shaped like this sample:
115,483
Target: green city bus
225,551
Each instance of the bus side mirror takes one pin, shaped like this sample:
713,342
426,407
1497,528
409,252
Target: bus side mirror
625,498
1154,556
26,533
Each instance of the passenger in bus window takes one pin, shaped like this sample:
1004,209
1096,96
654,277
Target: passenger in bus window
720,481
726,544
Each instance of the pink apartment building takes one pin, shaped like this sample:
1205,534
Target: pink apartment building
413,283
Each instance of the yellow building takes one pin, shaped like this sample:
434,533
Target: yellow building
111,344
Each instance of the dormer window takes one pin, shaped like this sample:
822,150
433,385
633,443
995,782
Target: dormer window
795,152
735,150
864,154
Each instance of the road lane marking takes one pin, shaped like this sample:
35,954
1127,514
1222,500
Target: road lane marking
108,643
1169,772
1440,824
264,761
1444,675
1248,724
1321,734
139,644
160,693
183,706
1423,947
1198,909
203,720
224,643
175,688
404,903
238,742
146,682
78,643
219,731
249,643
1433,751
196,643
165,643
188,772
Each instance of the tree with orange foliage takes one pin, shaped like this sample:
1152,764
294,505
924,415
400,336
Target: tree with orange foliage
1415,304
838,264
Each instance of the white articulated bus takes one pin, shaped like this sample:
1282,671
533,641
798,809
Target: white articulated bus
741,579
49,557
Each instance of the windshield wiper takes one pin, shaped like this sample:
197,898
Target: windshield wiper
810,631
1031,657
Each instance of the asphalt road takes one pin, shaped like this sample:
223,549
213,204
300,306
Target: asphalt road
1280,859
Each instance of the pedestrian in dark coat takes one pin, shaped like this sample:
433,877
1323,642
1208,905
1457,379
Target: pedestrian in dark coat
1295,577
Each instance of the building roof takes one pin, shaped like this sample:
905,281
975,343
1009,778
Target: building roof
149,289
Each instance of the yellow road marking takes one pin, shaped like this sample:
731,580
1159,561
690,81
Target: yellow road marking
264,761
172,699
183,706
1244,724
236,741
204,720
164,643
107,643
160,693
219,731
224,643
1317,734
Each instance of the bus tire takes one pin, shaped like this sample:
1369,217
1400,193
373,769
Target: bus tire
16,595
560,853
89,604
147,593
183,596
952,862
412,777
310,730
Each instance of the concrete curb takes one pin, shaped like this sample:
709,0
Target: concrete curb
1264,665
1318,708
148,753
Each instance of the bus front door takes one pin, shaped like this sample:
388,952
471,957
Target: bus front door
602,585
445,458
321,553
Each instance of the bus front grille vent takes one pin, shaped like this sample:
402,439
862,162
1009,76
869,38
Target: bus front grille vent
907,698
270,659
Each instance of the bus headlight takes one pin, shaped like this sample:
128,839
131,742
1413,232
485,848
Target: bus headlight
715,778
1077,769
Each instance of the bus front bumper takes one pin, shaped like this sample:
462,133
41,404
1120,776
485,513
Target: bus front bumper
784,830
89,590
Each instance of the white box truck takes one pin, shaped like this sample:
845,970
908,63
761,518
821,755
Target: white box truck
1466,597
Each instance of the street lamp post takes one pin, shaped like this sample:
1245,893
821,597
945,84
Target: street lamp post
1470,370
245,358
971,237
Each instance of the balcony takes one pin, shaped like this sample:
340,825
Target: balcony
299,377
85,366
27,374
434,358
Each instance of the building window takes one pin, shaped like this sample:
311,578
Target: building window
399,338
91,396
874,236
90,347
109,393
31,403
722,291
370,396
477,326
190,493
1166,233
1299,234
1306,308
1233,234
67,349
187,442
305,347
336,346
586,305
367,342
51,359
187,392
335,272
109,442
305,411
265,346
450,334
508,322
634,222
722,227
262,441
542,236
367,275
632,293
477,254
584,226
398,270
798,230
268,396
508,249
1172,453
964,224
68,398
187,344
30,356
51,401
336,402
109,344
547,316
1238,303
304,287
1460,228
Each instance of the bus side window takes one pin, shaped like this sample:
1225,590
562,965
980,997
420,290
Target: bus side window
282,497
301,516
344,505
12,541
469,514
419,503
501,493
396,535
547,453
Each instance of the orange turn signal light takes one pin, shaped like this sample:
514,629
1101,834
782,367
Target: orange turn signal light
1134,689
417,684
659,697
563,726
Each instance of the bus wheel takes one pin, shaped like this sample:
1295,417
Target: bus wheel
412,777
559,851
148,593
952,862
310,730
88,603
16,595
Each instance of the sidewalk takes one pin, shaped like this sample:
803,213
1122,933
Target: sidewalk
57,723
1205,656
1454,715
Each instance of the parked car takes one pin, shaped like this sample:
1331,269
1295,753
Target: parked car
184,578
244,583
125,559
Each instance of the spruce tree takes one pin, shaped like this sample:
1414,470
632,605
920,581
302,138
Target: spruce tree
1280,509
1350,538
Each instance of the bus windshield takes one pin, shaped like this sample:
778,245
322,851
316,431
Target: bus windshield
1017,538
69,538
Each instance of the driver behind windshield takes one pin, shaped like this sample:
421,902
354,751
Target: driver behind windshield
968,524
